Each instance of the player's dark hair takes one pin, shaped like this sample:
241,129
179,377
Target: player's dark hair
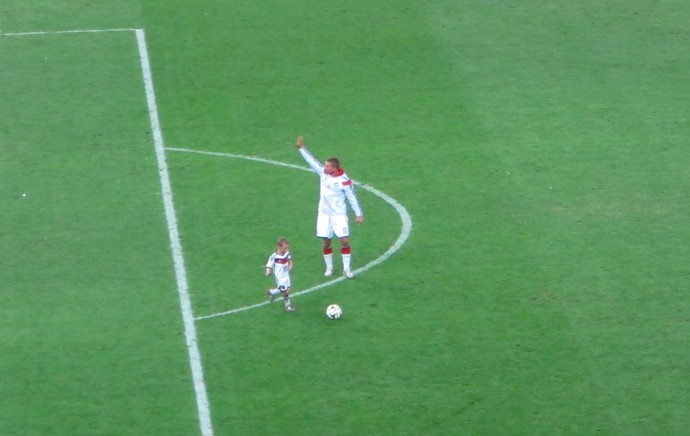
334,161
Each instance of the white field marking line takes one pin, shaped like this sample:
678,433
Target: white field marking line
202,403
59,32
405,230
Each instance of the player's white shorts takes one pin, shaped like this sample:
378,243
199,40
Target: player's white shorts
328,225
282,281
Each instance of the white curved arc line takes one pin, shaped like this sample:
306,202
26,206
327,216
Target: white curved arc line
405,230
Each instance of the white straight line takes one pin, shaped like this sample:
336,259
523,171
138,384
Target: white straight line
405,230
202,403
58,32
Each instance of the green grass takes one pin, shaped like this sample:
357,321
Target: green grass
540,148
90,320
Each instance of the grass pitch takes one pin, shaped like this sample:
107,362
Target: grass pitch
540,149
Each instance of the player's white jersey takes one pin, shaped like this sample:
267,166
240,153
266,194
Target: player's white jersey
334,189
280,263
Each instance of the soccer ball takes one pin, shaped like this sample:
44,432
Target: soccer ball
334,311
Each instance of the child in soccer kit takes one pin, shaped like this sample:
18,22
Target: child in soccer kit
279,264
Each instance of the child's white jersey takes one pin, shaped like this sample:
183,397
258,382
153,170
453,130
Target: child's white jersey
334,189
280,263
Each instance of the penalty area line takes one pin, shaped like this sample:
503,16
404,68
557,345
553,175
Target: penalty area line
203,407
405,229
65,32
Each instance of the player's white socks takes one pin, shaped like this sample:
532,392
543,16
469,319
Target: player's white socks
345,253
328,258
288,306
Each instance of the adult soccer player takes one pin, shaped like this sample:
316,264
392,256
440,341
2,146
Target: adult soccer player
332,219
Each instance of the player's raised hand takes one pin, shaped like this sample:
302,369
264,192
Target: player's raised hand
300,142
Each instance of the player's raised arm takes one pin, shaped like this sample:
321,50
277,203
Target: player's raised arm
313,163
